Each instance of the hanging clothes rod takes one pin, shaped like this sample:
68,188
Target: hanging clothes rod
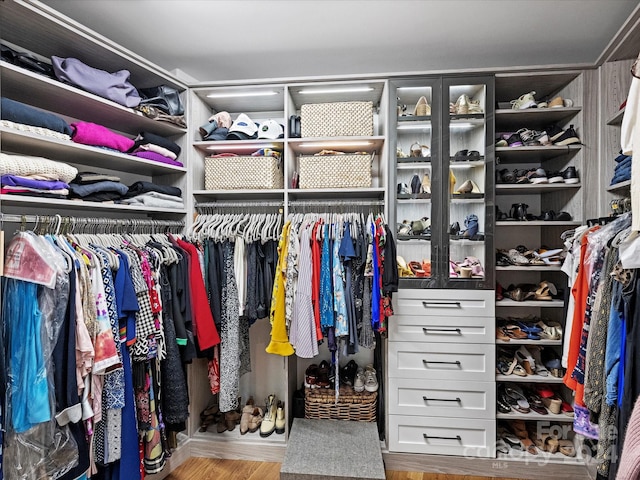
120,222
278,203
339,203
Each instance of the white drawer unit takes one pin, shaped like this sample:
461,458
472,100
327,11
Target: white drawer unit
442,436
438,329
442,361
442,398
445,303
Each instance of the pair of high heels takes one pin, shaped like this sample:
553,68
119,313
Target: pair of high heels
465,106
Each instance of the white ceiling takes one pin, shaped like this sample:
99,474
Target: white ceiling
249,39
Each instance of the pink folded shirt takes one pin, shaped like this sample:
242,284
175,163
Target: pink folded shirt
93,134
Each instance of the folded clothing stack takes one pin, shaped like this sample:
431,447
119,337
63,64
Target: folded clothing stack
152,195
35,176
18,115
88,133
97,187
154,147
622,170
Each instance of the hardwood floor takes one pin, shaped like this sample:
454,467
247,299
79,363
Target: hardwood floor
218,469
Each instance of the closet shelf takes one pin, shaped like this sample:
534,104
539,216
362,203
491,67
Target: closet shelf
507,302
533,154
15,200
620,187
239,147
235,437
312,145
532,117
541,458
524,189
63,99
249,195
534,416
67,151
538,223
617,118
419,164
229,101
512,85
542,342
336,195
531,268
527,379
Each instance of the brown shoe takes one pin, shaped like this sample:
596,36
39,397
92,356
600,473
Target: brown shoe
231,419
247,411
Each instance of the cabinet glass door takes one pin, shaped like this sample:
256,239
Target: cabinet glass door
416,148
468,159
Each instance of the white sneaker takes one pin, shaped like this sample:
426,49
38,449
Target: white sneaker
370,379
525,101
358,384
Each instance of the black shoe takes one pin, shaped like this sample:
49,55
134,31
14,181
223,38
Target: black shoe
416,184
563,217
568,137
454,229
548,216
554,132
570,175
514,140
348,373
506,176
555,177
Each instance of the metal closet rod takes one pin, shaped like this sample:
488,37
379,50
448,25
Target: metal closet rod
14,218
278,203
339,203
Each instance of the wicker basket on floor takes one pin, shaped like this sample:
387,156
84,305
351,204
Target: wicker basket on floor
320,403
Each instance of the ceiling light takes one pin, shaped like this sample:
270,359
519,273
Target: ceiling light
334,144
414,88
242,94
335,90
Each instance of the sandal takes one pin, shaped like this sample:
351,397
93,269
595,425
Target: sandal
545,290
567,448
517,400
502,335
526,360
416,268
554,404
550,330
551,444
403,269
539,368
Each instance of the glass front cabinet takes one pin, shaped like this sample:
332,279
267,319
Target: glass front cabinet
444,181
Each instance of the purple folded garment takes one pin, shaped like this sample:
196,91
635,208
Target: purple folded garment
16,181
156,157
93,134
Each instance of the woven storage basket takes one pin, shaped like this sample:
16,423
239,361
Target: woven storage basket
336,119
320,403
240,173
335,171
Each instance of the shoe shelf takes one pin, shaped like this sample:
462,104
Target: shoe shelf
524,189
529,268
472,118
413,239
465,199
537,223
229,438
414,197
458,162
249,146
38,202
312,145
465,241
532,117
617,118
33,144
527,379
48,94
541,458
411,165
414,119
507,302
620,187
542,342
533,154
249,195
535,416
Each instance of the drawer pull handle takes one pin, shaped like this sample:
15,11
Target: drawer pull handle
457,437
427,399
426,303
457,362
452,330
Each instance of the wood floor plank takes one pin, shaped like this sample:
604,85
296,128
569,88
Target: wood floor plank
220,469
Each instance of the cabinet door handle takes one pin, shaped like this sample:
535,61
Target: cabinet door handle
427,399
457,362
426,303
452,330
457,437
